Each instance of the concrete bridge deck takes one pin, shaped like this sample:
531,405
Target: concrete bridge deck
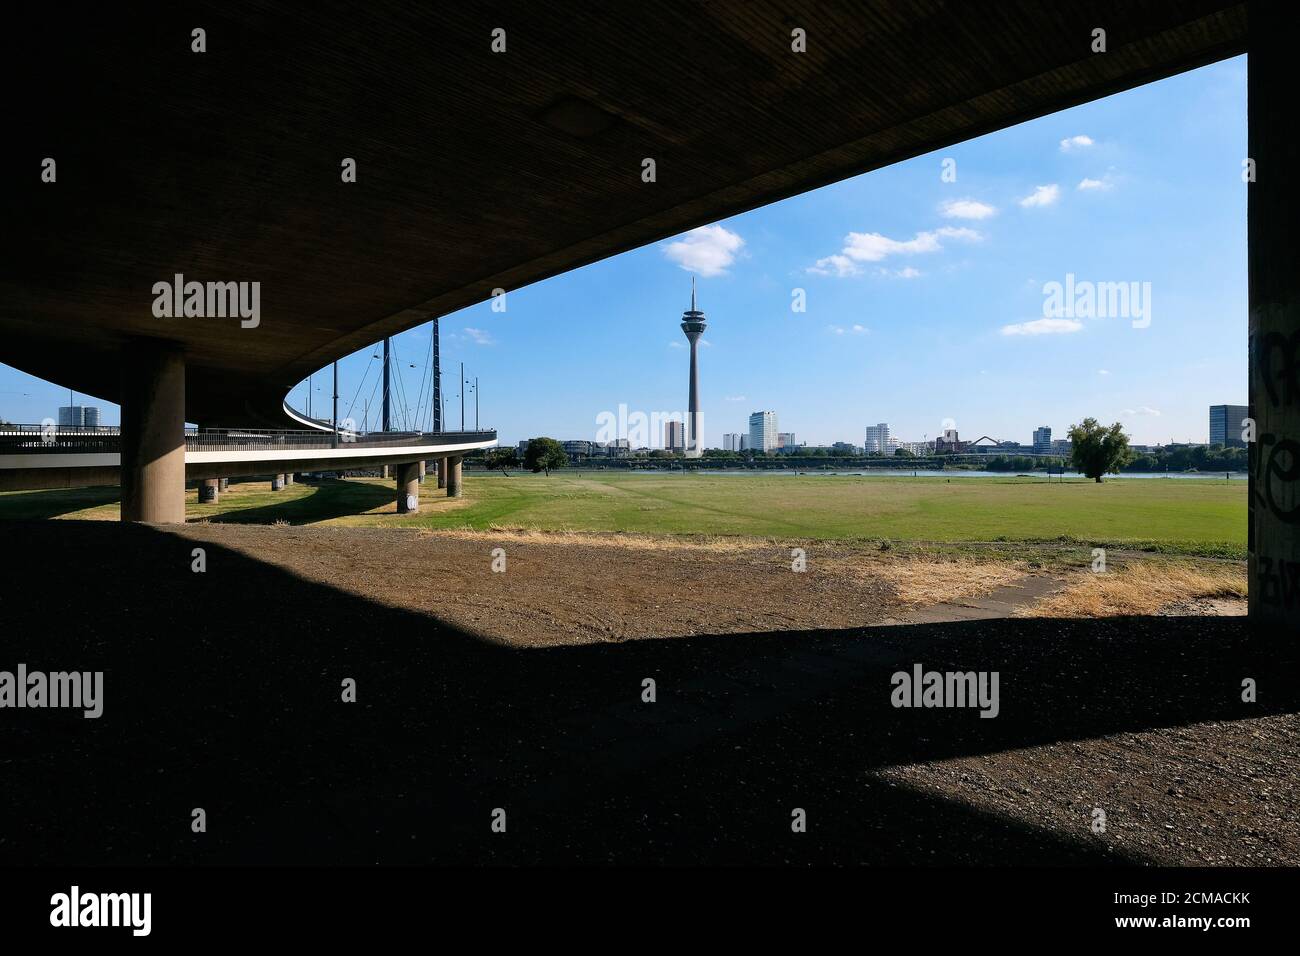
35,457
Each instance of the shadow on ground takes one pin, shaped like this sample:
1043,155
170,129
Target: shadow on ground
222,691
52,503
329,498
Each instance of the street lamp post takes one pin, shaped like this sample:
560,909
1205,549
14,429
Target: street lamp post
335,442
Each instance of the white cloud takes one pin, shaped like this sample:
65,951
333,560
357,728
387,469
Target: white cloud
674,344
479,336
734,398
1071,143
965,209
837,265
1043,327
872,247
907,273
1042,196
851,330
1141,410
1102,371
1086,184
708,250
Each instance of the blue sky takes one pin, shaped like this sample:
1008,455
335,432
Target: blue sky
924,297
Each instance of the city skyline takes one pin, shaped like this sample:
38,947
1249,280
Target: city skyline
923,299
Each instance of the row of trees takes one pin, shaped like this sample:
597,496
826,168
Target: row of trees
542,454
1097,450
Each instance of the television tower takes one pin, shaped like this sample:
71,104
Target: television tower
693,324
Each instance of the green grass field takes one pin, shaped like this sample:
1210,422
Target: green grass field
1178,516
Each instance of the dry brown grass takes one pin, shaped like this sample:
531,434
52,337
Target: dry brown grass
914,580
636,541
923,580
1147,588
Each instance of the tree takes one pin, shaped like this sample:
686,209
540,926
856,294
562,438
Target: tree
499,459
543,454
1098,450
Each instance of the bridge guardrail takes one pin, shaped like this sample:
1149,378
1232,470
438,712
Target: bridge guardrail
107,439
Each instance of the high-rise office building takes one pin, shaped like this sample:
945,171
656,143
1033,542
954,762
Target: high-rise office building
693,325
762,431
675,436
78,416
785,441
1042,440
1226,425
877,440
733,441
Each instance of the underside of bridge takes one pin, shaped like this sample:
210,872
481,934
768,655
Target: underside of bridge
488,161
475,170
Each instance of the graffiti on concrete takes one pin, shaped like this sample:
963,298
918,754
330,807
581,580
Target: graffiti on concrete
1278,361
1279,581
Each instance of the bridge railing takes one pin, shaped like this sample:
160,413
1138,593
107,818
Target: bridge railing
107,439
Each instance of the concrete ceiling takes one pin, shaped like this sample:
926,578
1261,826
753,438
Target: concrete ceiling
475,170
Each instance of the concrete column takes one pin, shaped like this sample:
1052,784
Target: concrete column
422,469
277,483
225,484
1273,207
442,472
209,491
288,478
408,488
153,432
453,476
383,472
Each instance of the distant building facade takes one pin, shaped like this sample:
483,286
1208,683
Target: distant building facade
1225,425
1042,440
762,431
877,440
675,436
78,416
949,444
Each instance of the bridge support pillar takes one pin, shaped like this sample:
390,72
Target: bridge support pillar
224,484
422,470
288,478
277,483
153,432
209,491
408,488
442,472
1273,201
453,476
383,472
